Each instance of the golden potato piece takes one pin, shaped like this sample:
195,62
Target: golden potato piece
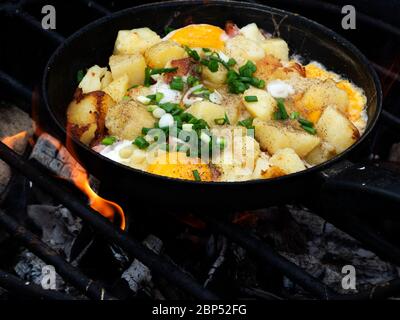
126,119
232,103
132,65
135,41
243,49
265,105
158,55
273,136
336,129
106,80
321,153
214,79
117,89
92,79
276,47
252,32
85,117
287,160
207,111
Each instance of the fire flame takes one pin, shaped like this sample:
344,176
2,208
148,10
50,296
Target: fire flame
80,178
12,141
105,207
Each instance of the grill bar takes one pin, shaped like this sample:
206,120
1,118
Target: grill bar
92,289
156,263
14,284
268,256
98,7
14,85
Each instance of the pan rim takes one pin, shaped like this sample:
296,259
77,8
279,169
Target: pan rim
237,4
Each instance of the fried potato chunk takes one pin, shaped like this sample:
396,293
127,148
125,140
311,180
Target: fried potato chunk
126,119
86,114
273,135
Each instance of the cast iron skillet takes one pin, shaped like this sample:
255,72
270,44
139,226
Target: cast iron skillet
93,44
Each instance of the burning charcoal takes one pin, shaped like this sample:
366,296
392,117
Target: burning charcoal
138,275
50,153
329,249
16,127
59,228
29,268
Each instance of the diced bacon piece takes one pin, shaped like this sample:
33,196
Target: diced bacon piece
231,29
183,66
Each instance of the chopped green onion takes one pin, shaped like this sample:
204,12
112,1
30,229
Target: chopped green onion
157,97
309,129
294,115
219,121
222,121
251,98
213,66
152,107
206,50
247,123
196,175
305,122
147,78
192,81
146,130
231,62
169,106
277,115
177,84
168,30
186,117
282,109
107,141
221,142
141,143
248,69
226,119
198,69
79,75
163,70
126,97
133,87
192,53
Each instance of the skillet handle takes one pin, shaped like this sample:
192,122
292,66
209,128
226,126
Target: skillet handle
376,181
364,201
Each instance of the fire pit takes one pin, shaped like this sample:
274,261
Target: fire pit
66,235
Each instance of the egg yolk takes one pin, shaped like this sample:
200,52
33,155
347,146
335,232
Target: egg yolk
357,100
178,165
199,36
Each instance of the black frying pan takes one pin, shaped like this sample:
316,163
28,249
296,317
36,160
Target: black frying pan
94,44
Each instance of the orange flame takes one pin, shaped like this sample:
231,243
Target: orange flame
105,207
13,140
